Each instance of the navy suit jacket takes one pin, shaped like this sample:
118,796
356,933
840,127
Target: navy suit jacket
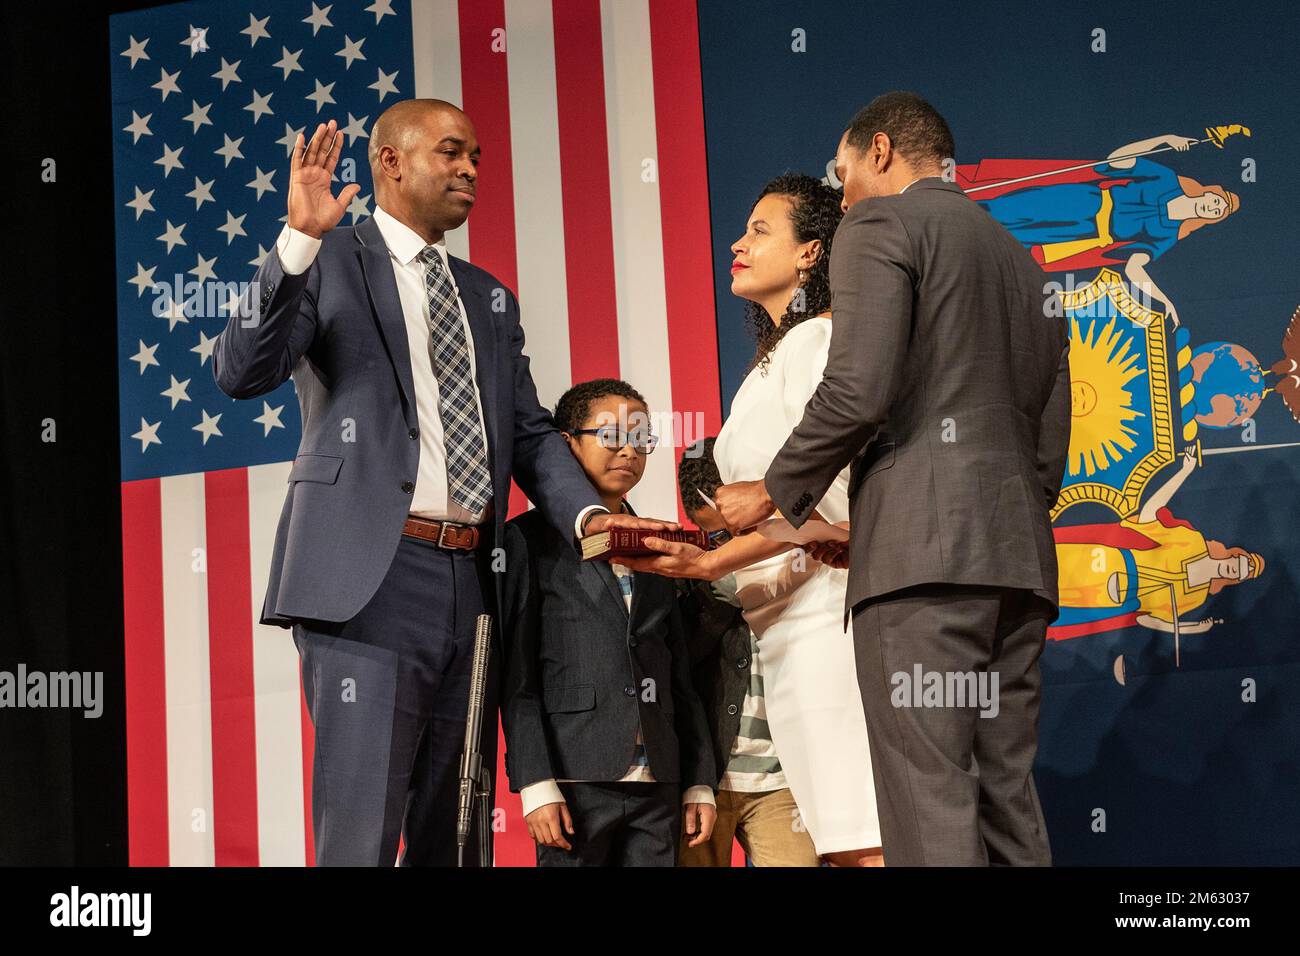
338,330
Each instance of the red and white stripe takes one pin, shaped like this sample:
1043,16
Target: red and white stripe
215,723
603,235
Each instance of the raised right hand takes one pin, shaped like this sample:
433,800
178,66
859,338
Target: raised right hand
312,208
676,559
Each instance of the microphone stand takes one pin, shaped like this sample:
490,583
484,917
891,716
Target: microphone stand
475,778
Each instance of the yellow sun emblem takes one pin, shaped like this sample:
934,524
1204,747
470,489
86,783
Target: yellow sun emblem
1101,365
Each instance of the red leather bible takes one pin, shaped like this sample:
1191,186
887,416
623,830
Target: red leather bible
627,542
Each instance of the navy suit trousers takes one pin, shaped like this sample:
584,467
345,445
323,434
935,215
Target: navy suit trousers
387,691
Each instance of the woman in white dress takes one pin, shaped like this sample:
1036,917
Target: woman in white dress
793,603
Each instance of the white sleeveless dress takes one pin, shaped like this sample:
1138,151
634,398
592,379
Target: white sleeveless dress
814,707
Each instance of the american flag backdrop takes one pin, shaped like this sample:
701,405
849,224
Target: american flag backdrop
593,207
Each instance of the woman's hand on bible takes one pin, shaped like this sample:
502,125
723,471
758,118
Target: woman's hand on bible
676,559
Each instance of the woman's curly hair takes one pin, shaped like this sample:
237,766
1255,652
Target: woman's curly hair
814,213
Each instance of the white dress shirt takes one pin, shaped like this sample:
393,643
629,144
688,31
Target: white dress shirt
297,251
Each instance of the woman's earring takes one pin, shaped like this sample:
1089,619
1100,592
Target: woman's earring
803,276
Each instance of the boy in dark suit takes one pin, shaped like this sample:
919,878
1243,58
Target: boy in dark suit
606,740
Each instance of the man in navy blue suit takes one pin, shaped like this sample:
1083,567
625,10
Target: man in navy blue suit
417,409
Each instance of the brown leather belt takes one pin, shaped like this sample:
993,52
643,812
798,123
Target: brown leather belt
445,534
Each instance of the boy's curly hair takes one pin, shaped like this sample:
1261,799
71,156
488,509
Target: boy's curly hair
697,472
574,406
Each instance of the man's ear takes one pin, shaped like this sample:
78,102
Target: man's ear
389,162
882,152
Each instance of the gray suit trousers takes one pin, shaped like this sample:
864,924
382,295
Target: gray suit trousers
954,788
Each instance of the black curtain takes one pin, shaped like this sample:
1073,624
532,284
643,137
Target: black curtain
62,775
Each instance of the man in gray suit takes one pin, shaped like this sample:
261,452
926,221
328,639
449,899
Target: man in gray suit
947,388
417,409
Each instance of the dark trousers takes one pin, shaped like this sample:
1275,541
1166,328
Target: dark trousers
954,788
619,824
387,691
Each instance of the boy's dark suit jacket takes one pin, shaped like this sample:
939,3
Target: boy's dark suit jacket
718,638
577,665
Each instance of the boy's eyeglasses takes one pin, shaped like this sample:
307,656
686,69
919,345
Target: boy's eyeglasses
719,537
613,438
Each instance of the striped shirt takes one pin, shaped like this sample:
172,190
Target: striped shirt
753,766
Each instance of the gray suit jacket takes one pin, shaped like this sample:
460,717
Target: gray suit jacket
338,330
948,388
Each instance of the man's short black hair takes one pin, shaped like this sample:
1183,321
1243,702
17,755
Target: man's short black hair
574,406
697,472
915,127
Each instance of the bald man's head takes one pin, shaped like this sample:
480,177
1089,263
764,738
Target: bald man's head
401,123
424,161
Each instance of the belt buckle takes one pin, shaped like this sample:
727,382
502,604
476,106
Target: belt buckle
442,534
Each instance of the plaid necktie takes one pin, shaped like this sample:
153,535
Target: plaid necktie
469,483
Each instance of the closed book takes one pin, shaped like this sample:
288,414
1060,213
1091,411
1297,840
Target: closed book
629,542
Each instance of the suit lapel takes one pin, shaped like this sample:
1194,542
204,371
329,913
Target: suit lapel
605,573
601,569
478,312
639,582
381,286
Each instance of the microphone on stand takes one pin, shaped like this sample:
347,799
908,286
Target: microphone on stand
475,780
